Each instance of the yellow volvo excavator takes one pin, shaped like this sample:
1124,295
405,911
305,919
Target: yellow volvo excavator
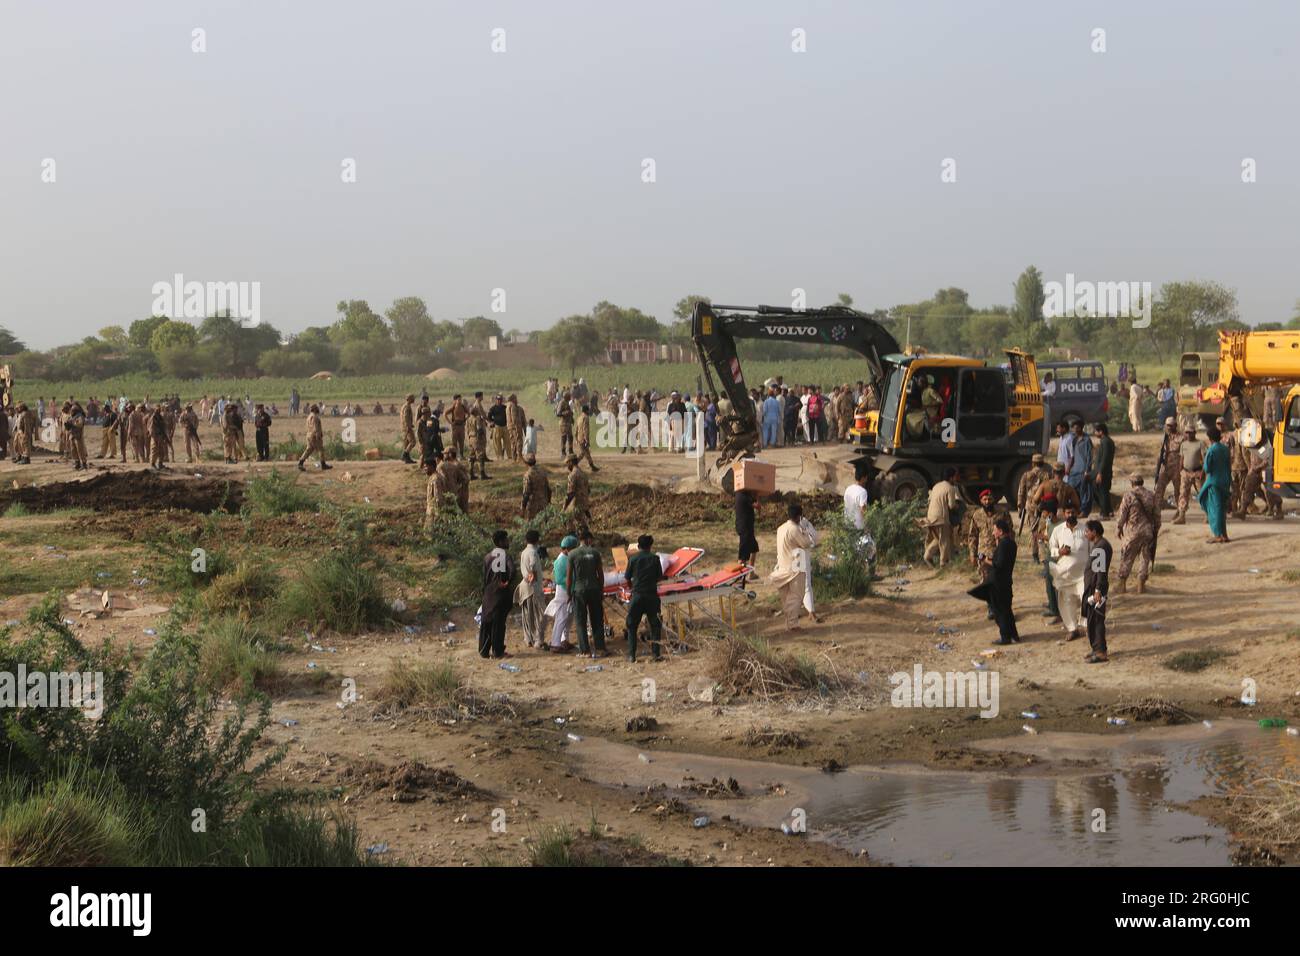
1250,362
936,411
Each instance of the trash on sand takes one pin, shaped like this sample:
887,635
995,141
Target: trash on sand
593,667
943,646
574,737
643,758
312,665
449,627
1207,725
1117,721
150,631
375,849
289,722
512,668
1029,730
1293,732
399,606
702,689
1273,722
1029,715
701,822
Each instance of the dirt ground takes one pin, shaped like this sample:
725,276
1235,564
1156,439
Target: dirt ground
479,791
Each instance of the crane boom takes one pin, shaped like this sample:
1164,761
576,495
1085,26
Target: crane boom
1254,358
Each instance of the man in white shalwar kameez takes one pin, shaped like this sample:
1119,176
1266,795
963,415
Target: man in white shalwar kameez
529,593
789,579
1069,550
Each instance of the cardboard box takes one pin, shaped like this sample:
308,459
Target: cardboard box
754,474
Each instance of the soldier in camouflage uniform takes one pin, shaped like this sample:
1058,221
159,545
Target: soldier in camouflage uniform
1029,483
979,534
1172,467
583,437
537,489
438,495
1191,461
516,423
577,494
478,425
565,414
1136,523
1258,460
1238,458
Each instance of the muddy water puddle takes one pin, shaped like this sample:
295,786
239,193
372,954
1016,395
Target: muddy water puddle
1085,799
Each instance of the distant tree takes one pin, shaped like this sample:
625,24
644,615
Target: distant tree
414,331
1186,315
179,361
845,299
477,330
616,323
116,337
8,344
172,334
573,341
141,331
681,328
1029,329
287,363
987,333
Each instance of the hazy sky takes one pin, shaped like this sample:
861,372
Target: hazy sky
522,170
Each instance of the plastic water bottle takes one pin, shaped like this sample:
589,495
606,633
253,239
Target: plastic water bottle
512,668
1117,721
1029,715
1029,730
643,758
574,737
701,822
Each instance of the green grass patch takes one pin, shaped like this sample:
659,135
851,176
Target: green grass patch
234,655
339,591
1159,568
1291,575
279,493
17,510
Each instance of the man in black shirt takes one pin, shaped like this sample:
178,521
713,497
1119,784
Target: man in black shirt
745,526
262,423
1001,565
1096,589
586,587
498,570
644,572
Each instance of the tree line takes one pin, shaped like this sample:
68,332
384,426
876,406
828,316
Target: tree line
1185,316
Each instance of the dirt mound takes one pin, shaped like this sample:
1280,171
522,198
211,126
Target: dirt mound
440,374
130,491
408,781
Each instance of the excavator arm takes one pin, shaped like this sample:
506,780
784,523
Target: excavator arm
715,328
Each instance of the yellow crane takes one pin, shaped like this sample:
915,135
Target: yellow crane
1263,360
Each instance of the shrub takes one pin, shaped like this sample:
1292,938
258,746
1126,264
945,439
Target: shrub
847,566
17,510
339,591
893,526
1193,661
750,666
77,819
278,493
234,654
434,691
243,590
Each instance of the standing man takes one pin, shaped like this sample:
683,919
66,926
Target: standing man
1256,481
478,422
262,432
498,569
944,504
771,419
982,538
157,438
1215,488
315,440
76,429
855,501
644,572
577,494
1064,439
435,493
408,429
457,415
1096,587
517,423
108,436
1001,566
1137,524
1170,465
1238,458
1103,468
1135,392
582,433
1081,466
1029,482
787,576
748,549
189,422
529,593
1068,546
564,412
537,489
586,574
499,418
446,493
1191,473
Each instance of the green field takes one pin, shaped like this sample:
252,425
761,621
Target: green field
527,382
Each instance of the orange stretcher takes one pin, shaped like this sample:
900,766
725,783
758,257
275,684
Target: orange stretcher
678,563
